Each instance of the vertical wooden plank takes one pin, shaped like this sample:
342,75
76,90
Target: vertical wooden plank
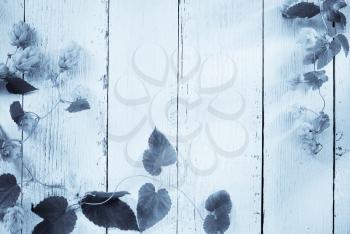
142,68
220,110
342,163
68,148
11,12
298,185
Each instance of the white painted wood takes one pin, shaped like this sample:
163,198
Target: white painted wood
219,101
69,148
220,110
298,186
142,94
342,163
10,13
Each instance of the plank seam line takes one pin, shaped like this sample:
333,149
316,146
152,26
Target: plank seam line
334,146
179,32
107,120
22,134
262,119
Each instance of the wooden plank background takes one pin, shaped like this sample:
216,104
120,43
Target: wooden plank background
213,76
298,186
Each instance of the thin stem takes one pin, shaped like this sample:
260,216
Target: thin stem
51,110
57,86
10,55
323,100
39,182
311,111
32,132
37,118
315,61
147,177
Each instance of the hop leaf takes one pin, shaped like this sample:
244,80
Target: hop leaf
343,41
325,57
315,79
331,10
22,35
325,50
152,206
57,218
301,10
25,120
214,225
110,210
321,123
18,86
9,191
78,105
219,205
322,44
160,153
16,112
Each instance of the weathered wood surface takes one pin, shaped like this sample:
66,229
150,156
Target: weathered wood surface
342,127
10,12
220,99
297,185
142,94
214,77
69,148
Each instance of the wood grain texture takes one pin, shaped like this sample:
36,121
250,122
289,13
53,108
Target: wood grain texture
142,94
220,110
298,186
342,162
68,148
10,13
197,71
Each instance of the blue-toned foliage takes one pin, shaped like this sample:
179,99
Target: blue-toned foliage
160,153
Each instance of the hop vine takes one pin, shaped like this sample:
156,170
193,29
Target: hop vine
104,209
321,47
